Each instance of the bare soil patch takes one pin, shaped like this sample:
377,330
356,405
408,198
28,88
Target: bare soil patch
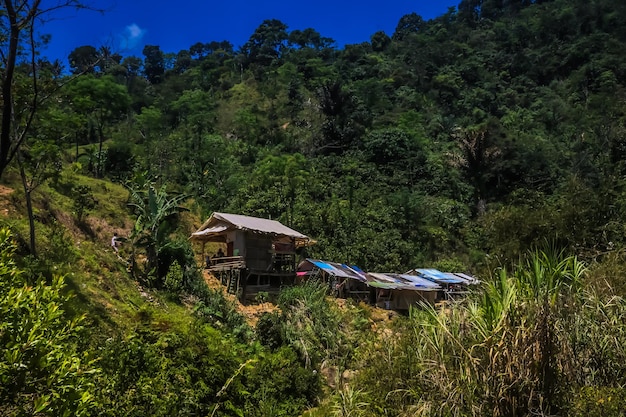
251,312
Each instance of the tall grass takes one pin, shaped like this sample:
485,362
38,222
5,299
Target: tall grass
528,344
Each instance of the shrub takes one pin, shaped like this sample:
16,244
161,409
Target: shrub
282,385
599,402
41,370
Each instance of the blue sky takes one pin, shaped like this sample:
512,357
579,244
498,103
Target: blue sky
127,26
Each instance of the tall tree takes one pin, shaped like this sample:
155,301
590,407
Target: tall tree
37,164
408,24
83,59
19,44
154,64
103,100
267,43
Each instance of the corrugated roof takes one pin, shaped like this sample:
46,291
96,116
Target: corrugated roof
209,230
338,270
220,222
437,276
400,282
376,279
258,225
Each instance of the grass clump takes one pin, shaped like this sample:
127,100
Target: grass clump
534,342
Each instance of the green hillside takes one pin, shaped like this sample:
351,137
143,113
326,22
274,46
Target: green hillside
491,140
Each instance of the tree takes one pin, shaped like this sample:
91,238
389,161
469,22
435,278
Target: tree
152,128
83,59
183,62
103,100
380,41
408,24
17,25
195,108
266,43
156,214
309,38
154,63
475,157
275,187
37,164
107,59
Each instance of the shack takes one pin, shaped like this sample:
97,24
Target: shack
260,253
389,291
401,291
343,281
453,284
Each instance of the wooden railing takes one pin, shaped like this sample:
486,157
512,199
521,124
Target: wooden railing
225,263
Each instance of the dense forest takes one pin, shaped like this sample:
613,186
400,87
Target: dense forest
491,139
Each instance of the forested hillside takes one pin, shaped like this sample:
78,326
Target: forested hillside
491,139
486,130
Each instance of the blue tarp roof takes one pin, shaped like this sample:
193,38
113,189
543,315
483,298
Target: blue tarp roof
420,279
437,276
338,270
400,282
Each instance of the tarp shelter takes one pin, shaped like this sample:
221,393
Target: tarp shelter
439,277
391,291
400,291
343,280
453,283
468,278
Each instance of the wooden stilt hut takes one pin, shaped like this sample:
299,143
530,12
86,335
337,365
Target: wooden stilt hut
260,253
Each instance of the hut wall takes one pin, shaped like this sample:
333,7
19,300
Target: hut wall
238,238
258,252
404,299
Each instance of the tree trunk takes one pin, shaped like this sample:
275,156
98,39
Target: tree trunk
7,88
99,170
29,208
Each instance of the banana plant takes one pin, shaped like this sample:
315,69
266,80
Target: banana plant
157,213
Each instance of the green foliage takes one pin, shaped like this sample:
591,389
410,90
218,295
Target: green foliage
283,386
310,322
598,401
120,160
156,216
103,101
84,201
174,277
59,247
222,313
166,373
269,330
349,403
41,370
460,142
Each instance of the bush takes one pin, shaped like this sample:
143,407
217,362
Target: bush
269,331
599,402
150,373
282,386
41,370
